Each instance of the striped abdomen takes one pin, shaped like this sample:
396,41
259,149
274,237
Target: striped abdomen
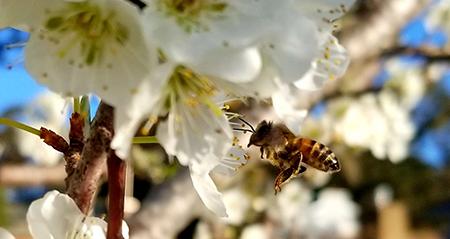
317,155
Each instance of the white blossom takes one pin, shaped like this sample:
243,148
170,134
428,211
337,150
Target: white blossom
377,122
383,196
255,231
439,16
4,234
202,231
407,81
196,130
57,216
237,203
333,215
292,204
81,47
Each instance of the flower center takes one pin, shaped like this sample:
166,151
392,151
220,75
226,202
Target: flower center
191,89
192,14
87,26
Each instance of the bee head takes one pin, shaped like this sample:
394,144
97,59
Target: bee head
259,137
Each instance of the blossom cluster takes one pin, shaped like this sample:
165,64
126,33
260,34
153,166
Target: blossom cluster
377,121
439,16
332,215
182,60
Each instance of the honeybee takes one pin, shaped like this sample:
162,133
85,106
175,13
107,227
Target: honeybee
288,153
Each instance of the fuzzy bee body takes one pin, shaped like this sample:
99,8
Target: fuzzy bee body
317,155
288,153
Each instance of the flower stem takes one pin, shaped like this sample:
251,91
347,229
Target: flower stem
76,105
145,140
18,125
116,197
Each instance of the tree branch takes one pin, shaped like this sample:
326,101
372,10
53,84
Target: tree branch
167,210
116,195
82,184
16,175
379,30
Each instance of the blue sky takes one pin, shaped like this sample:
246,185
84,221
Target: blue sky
16,86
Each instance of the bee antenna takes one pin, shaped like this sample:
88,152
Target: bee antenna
243,130
247,123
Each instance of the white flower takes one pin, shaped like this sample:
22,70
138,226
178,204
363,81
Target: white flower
81,47
4,234
292,203
377,122
401,127
202,231
230,40
48,110
196,130
330,62
353,125
57,216
383,196
439,16
333,215
407,81
237,203
255,231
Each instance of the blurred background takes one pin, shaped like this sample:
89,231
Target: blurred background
387,120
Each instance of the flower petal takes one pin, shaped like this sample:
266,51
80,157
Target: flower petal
288,107
21,14
195,133
87,227
199,137
57,216
324,12
50,216
132,112
235,65
4,234
293,47
207,191
331,64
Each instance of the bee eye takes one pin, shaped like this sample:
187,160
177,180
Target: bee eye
263,129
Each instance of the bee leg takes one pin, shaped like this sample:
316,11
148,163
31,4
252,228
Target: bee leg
262,152
300,168
282,178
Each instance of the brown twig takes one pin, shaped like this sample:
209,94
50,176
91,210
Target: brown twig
54,140
116,190
82,183
76,144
